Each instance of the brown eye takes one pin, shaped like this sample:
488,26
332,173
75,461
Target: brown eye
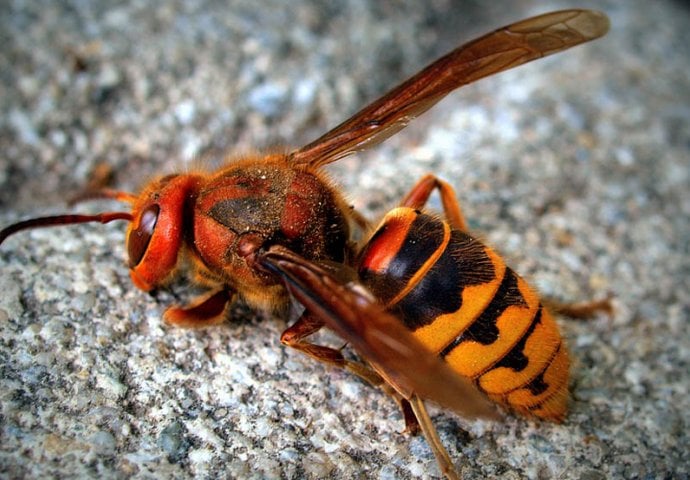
140,237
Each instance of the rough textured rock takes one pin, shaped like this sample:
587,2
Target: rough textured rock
575,167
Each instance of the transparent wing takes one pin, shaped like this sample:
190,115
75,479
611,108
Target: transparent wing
495,52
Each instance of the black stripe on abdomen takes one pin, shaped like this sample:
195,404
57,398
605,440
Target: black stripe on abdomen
484,329
516,359
463,263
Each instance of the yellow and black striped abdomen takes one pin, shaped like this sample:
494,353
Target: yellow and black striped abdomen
460,299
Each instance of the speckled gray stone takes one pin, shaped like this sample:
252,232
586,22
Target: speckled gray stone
576,168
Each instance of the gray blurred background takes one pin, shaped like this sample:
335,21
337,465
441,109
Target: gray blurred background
574,167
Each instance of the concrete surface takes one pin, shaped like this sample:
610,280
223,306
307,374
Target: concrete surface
575,167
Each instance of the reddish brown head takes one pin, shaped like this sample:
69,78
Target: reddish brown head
156,232
156,235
